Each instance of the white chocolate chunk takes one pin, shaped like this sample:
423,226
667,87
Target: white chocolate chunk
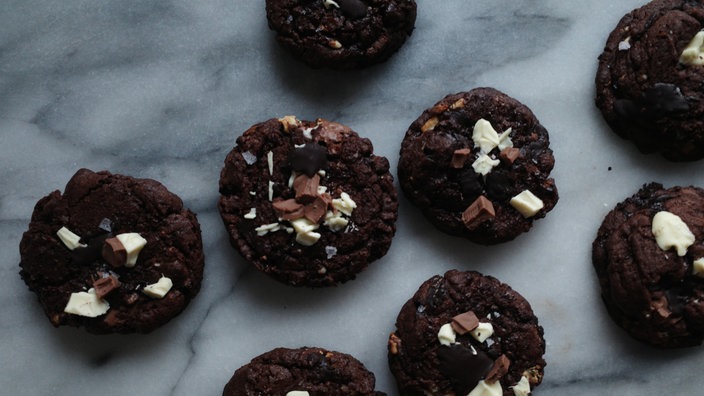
270,162
487,389
297,393
484,136
289,122
522,388
505,139
527,203
328,4
71,240
252,214
305,234
693,54
344,204
482,331
158,289
267,228
447,335
133,243
671,232
625,44
271,190
334,221
484,164
698,267
86,304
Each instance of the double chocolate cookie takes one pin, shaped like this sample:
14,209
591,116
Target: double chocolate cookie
648,84
307,202
304,371
478,165
649,257
113,254
465,332
341,34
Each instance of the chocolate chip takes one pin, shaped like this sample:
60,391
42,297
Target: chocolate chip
463,366
309,159
353,8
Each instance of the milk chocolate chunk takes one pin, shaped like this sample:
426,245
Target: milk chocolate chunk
459,158
465,322
478,212
498,369
114,252
105,285
306,188
288,209
509,155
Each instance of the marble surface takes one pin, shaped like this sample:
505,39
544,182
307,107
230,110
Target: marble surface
161,88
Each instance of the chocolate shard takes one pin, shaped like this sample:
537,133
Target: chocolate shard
288,209
478,212
306,188
315,210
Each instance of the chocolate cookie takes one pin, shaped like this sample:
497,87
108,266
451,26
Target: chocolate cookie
302,372
113,254
341,34
307,202
465,332
649,257
478,164
648,85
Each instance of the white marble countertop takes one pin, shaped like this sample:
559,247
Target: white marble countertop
161,89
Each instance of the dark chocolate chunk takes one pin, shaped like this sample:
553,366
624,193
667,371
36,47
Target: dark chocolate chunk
309,159
463,366
663,99
90,253
352,8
